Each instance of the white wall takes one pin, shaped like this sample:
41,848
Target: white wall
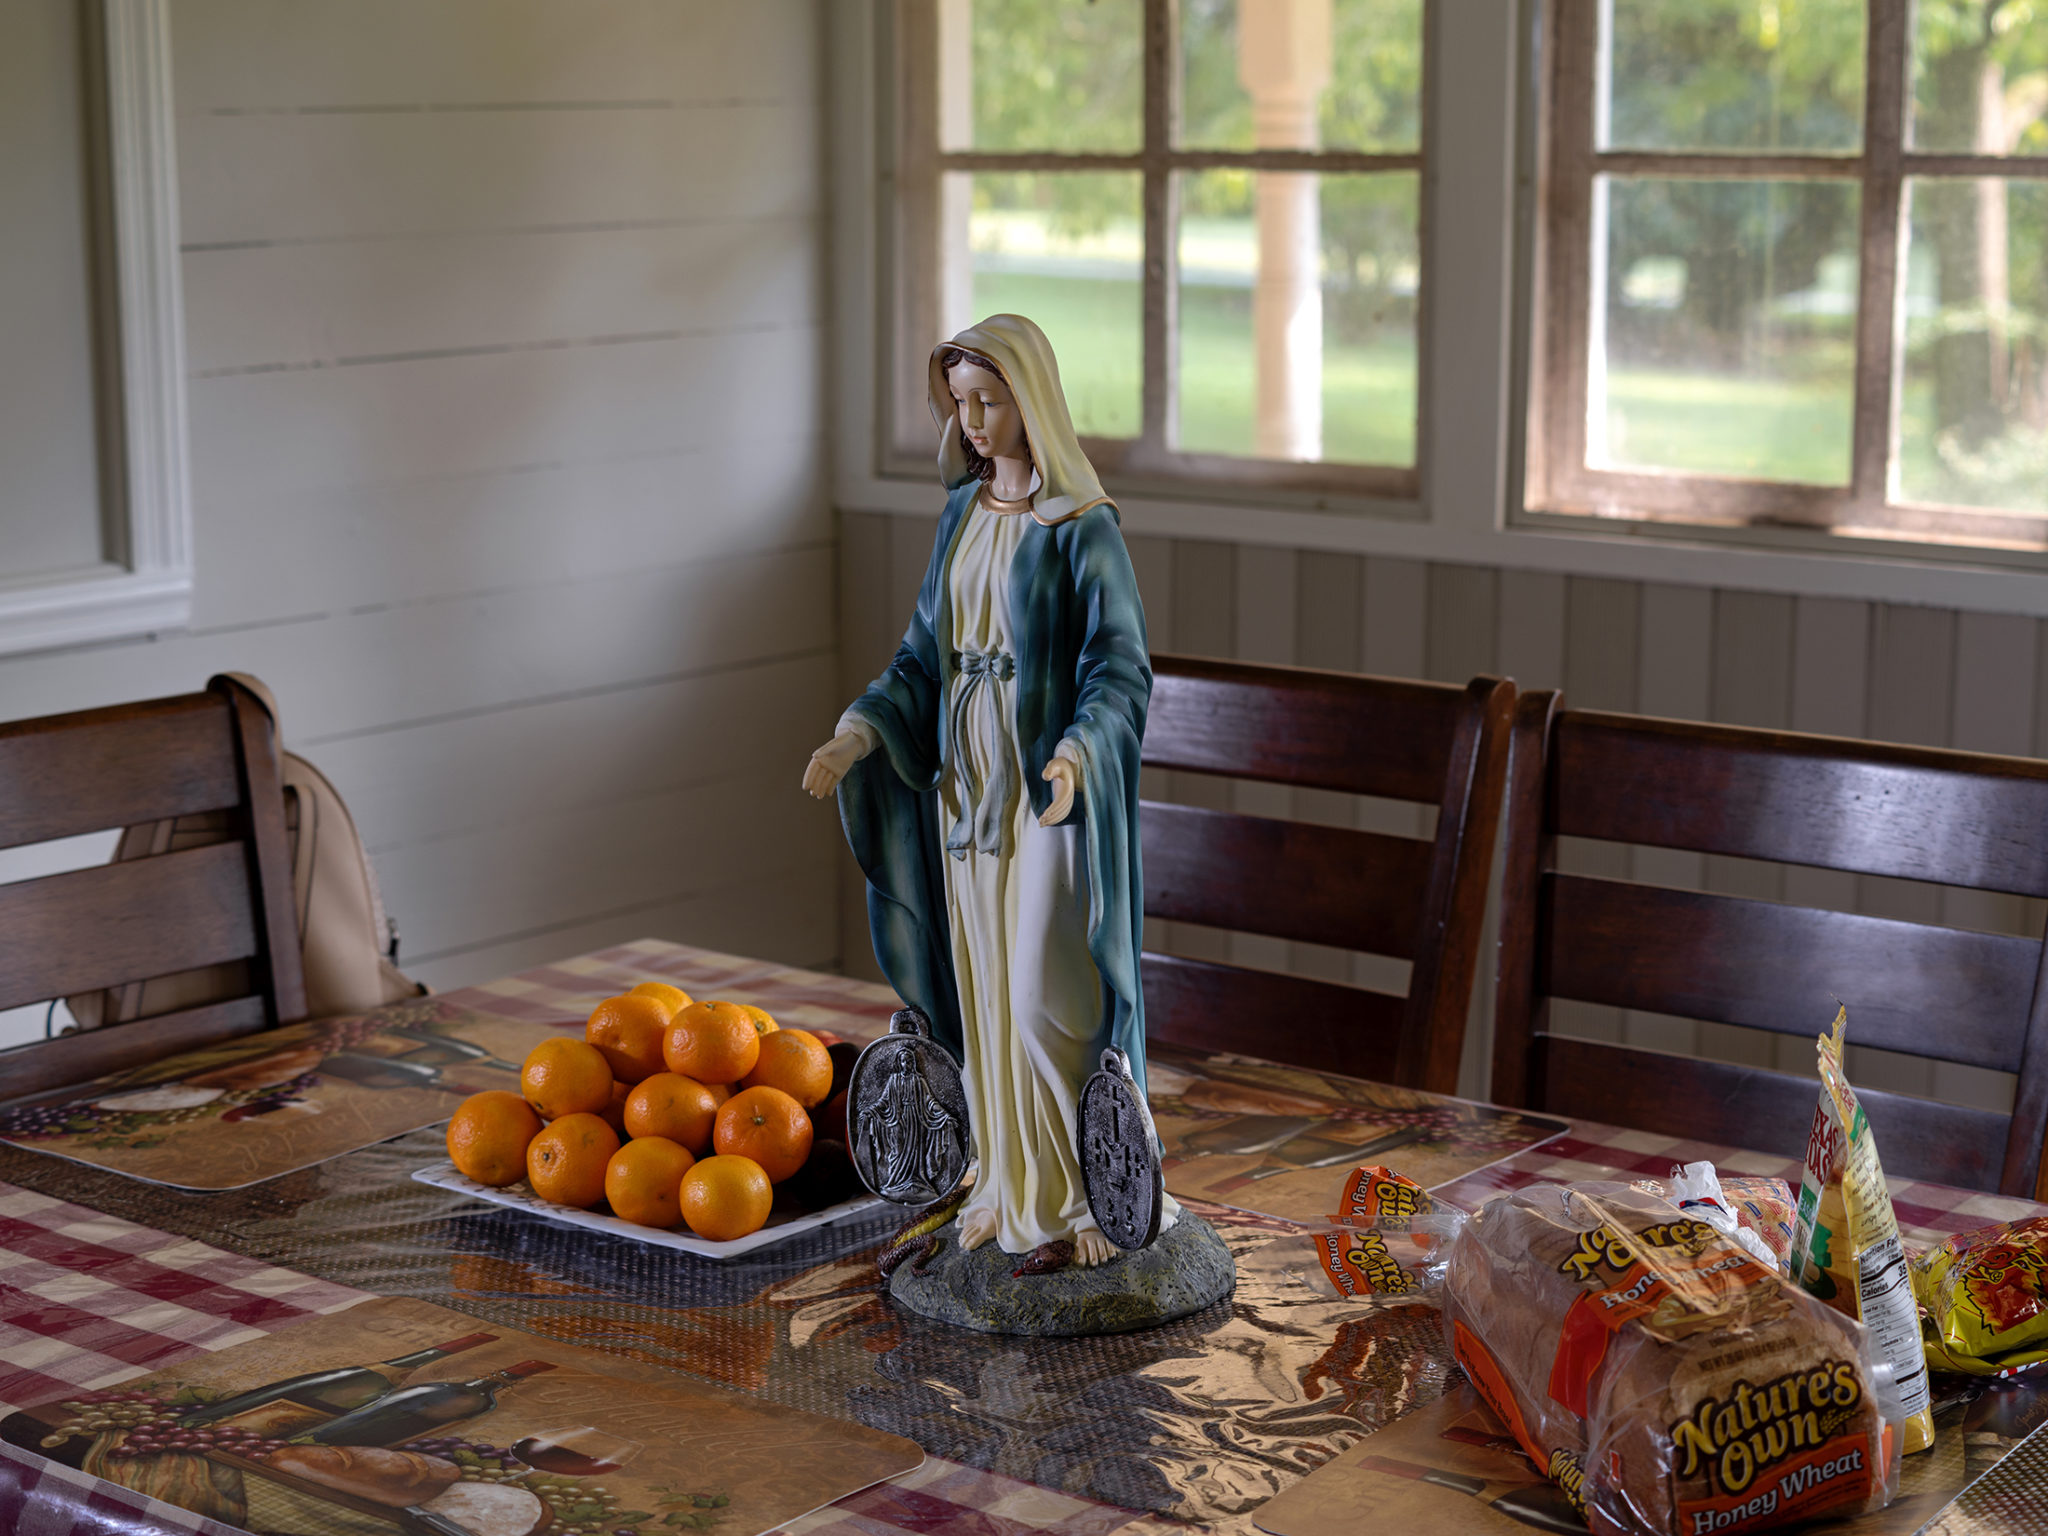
506,347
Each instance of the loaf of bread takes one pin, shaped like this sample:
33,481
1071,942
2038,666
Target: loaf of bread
1665,1379
369,1472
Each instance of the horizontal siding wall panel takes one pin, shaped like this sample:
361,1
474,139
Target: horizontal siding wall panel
557,867
805,929
272,306
266,558
410,785
277,433
371,670
379,175
405,54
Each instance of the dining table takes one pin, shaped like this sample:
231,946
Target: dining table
1189,1426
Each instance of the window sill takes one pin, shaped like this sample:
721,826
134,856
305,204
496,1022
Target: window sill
112,603
1807,562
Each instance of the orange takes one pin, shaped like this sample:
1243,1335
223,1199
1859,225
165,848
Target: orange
566,1162
712,1042
566,1077
628,1031
614,1113
766,1125
763,1025
679,1108
719,1092
673,999
644,1181
796,1061
726,1197
487,1136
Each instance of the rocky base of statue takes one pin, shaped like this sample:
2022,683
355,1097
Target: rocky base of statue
1188,1267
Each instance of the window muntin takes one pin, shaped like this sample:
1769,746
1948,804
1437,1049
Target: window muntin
1282,260
1845,313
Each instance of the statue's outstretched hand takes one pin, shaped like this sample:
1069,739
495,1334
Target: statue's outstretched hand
1065,778
829,763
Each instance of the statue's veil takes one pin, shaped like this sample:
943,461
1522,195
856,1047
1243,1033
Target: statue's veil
1018,350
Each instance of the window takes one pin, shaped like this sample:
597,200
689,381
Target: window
1213,208
1793,266
95,526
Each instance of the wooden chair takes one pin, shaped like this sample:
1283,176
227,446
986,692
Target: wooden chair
1957,818
1417,900
64,934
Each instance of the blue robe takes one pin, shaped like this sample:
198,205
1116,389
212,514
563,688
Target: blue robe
1083,673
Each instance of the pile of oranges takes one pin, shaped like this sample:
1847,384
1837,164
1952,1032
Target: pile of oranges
669,1110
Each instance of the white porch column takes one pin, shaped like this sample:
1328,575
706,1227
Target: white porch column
1283,60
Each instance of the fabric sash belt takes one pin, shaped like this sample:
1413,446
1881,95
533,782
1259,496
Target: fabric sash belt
984,806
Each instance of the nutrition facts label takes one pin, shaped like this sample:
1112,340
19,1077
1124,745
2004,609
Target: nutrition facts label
1885,1290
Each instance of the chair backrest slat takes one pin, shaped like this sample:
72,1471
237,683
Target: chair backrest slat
1942,994
99,769
144,917
1768,1111
1874,808
1759,964
91,928
1411,899
70,1059
1322,1025
1322,885
1294,725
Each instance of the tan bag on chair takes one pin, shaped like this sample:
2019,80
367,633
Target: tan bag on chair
348,944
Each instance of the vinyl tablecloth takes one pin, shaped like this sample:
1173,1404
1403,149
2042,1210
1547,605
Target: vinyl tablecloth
88,1299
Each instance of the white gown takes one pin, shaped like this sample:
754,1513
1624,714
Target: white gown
1030,996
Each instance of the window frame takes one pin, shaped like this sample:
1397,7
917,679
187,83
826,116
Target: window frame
1562,485
1479,197
1146,462
143,584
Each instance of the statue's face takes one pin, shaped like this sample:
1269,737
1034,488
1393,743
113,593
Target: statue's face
987,411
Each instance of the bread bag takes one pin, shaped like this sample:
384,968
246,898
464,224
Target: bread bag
1667,1380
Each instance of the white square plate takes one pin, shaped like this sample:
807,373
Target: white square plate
780,1228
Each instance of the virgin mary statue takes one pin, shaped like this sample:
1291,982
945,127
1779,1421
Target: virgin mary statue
988,782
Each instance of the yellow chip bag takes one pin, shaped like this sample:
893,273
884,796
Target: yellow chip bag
1846,1248
1986,1298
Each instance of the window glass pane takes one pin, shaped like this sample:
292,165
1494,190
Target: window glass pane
1297,316
1064,250
1301,74
1723,328
1973,412
1733,75
1045,74
1980,77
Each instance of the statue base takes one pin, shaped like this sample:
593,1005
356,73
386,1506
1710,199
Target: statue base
1187,1268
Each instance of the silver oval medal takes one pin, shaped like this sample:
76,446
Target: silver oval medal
907,1110
1119,1166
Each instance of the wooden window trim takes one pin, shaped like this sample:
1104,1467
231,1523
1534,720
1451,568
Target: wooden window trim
1561,489
144,582
1146,464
